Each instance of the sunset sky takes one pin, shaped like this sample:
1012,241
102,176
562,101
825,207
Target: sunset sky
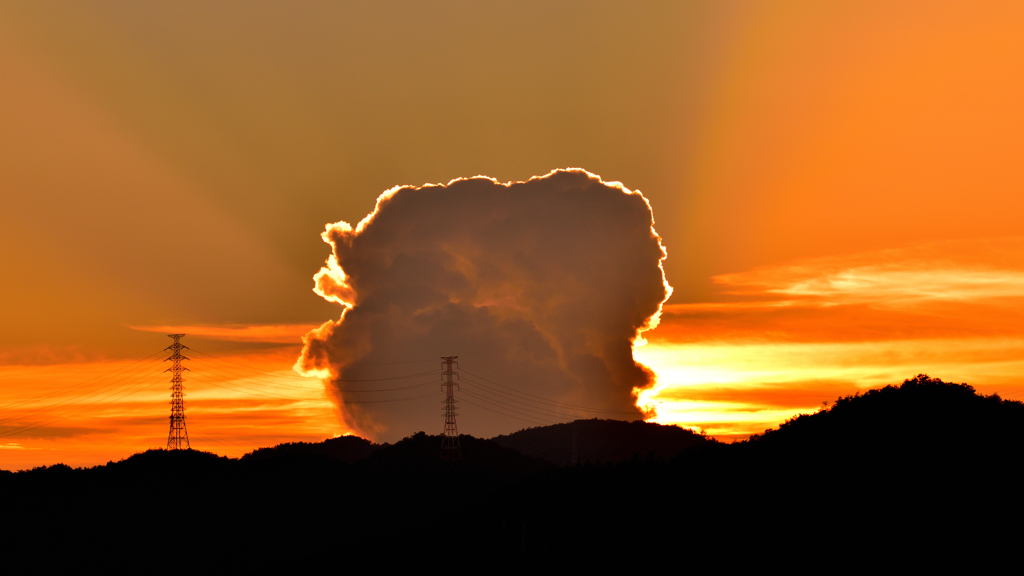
838,186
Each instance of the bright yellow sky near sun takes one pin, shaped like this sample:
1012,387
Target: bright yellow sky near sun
837,184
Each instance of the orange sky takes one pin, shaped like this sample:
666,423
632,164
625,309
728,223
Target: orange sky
809,331
91,412
837,185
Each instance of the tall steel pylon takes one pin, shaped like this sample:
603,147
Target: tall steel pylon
177,438
450,448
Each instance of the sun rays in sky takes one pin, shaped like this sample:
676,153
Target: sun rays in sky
837,186
792,337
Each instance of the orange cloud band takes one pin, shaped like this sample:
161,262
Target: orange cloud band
807,332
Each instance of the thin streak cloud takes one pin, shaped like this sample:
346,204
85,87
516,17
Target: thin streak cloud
810,331
277,333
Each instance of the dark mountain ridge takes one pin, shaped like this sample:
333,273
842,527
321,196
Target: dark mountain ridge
927,463
923,427
600,441
922,411
347,449
583,441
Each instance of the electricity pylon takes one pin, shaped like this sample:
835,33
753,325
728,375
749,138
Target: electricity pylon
177,438
450,449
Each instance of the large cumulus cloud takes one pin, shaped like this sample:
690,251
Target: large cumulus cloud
540,285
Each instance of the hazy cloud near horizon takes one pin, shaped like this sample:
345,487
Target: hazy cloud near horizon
543,284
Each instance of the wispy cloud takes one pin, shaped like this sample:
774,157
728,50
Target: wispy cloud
49,432
802,333
951,271
273,333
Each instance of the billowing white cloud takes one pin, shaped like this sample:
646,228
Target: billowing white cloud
541,286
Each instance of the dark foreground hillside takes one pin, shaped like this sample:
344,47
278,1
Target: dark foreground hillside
600,441
924,473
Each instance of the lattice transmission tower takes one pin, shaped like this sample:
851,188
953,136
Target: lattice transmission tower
177,438
450,448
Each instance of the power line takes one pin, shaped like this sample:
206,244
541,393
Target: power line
521,385
113,385
506,400
241,376
549,408
271,395
238,377
432,395
80,408
548,400
518,410
245,389
391,389
246,368
530,420
77,385
296,376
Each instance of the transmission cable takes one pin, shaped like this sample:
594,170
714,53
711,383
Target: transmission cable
529,417
225,361
80,384
534,422
519,384
245,389
504,400
209,369
82,407
104,388
433,395
547,400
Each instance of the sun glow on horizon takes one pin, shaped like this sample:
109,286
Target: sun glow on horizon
825,328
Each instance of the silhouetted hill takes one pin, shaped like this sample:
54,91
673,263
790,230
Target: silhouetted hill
481,458
924,470
924,413
345,449
598,441
923,426
926,465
